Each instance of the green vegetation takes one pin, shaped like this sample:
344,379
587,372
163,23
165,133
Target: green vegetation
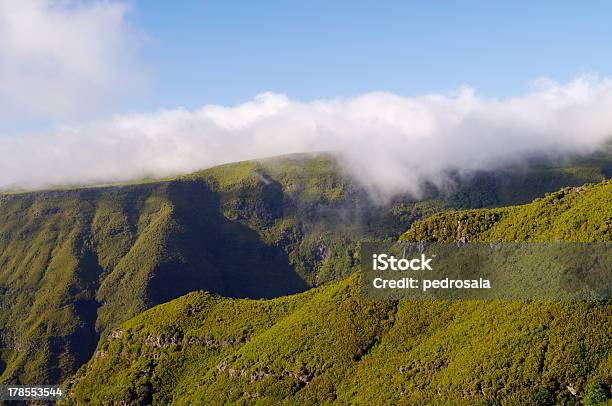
574,214
76,263
328,345
522,184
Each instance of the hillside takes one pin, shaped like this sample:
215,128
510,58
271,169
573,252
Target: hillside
329,346
573,214
75,263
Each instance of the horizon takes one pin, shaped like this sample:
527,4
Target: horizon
107,91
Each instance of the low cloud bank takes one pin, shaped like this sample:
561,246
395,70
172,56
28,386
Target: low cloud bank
389,143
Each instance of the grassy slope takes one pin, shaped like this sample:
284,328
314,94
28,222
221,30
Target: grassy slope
576,214
74,263
328,345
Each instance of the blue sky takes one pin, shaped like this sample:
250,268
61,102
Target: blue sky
109,90
66,61
226,52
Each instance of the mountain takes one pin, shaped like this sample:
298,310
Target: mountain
75,263
573,214
328,345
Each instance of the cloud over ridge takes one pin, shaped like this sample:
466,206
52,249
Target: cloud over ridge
389,143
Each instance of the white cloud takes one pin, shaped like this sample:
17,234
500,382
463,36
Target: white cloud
388,142
62,58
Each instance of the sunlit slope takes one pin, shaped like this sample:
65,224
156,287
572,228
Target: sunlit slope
74,263
329,346
577,214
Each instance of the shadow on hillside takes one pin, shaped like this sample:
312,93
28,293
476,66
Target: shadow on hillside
218,255
521,185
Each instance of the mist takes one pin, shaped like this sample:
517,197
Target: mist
389,143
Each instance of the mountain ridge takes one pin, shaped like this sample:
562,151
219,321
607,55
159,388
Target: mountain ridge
75,263
330,346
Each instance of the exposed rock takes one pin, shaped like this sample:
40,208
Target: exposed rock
161,341
304,377
320,251
222,366
100,354
213,342
258,375
578,189
115,335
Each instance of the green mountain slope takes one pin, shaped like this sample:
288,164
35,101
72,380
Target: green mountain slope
330,346
75,263
574,214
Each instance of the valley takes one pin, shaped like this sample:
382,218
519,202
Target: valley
77,263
